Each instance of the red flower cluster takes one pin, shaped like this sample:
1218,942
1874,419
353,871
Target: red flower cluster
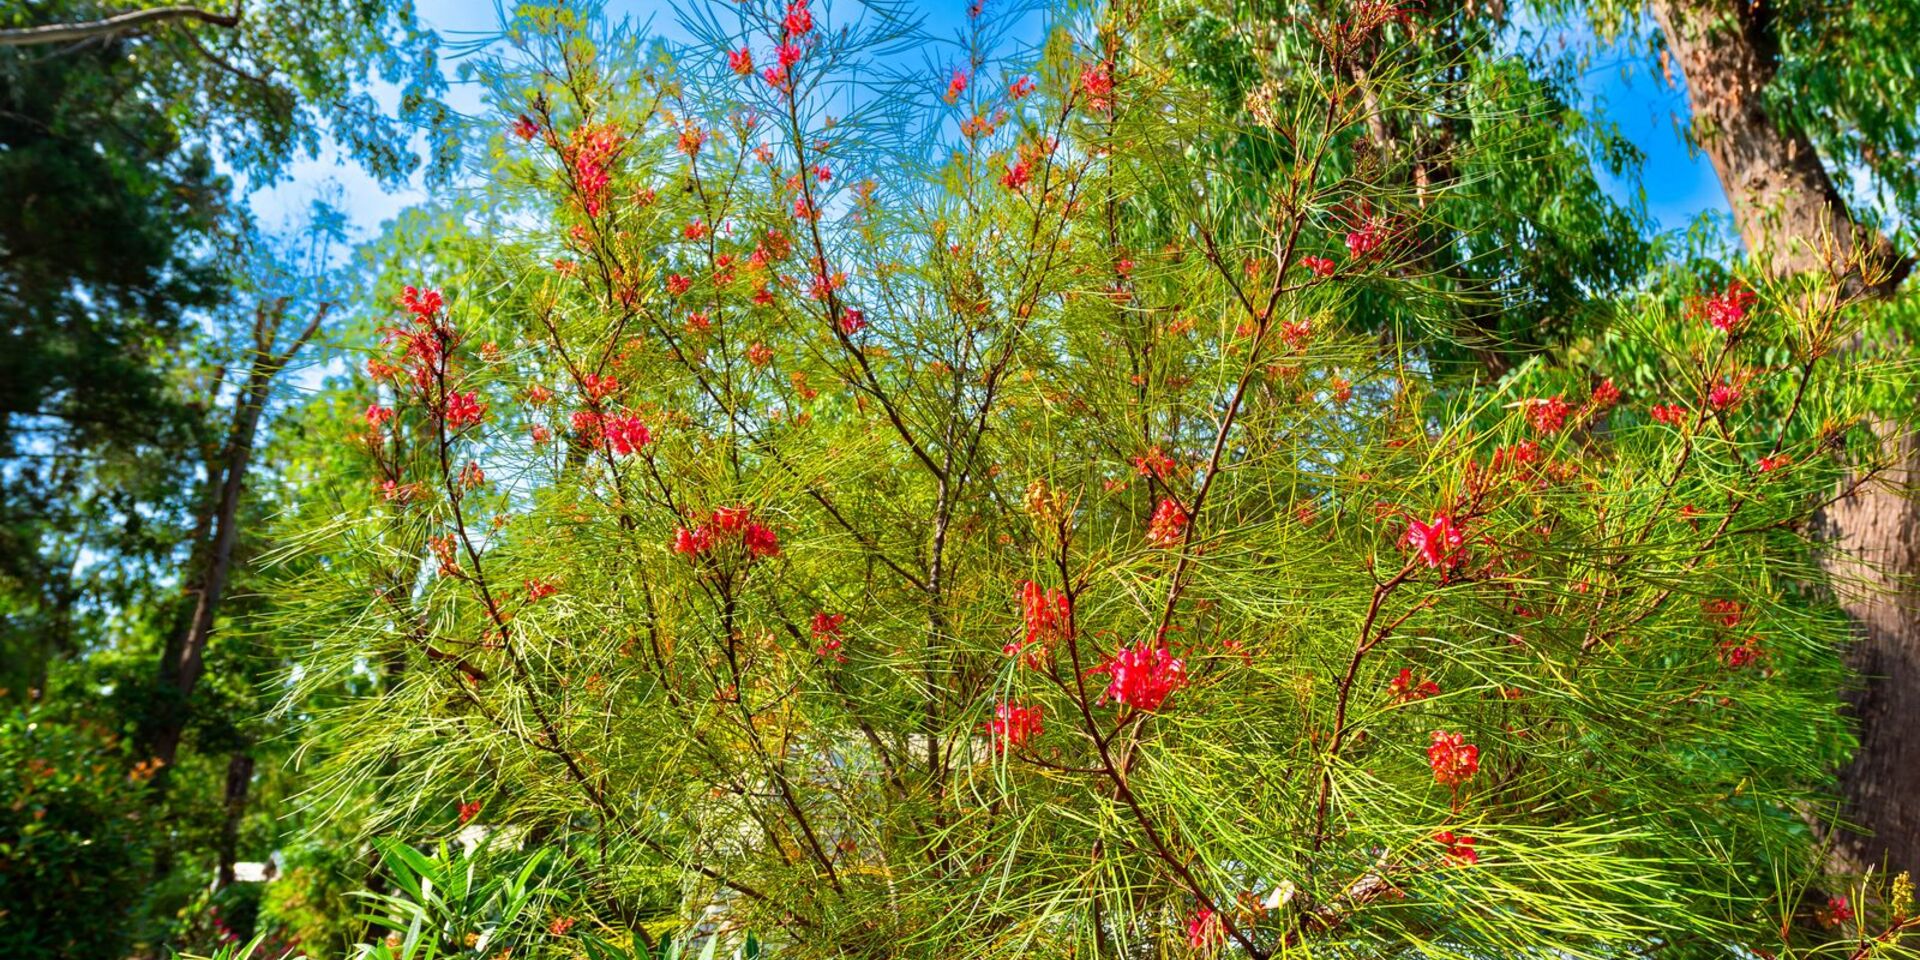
626,433
1013,725
1204,929
1049,616
1142,677
1723,395
538,590
740,61
1604,395
1460,852
826,632
1726,309
590,152
1021,88
956,86
1096,81
1744,652
1406,690
1169,524
727,525
464,410
1548,415
1454,760
469,810
423,304
1321,266
1672,414
1438,543
1153,463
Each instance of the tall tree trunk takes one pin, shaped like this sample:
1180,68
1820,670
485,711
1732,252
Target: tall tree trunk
239,782
1791,217
212,556
1794,221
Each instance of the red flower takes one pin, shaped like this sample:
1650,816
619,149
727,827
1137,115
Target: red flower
1204,929
798,20
1049,616
1460,852
759,354
1321,266
776,77
1096,81
1605,395
1724,610
760,540
740,61
1838,911
1723,395
421,303
377,414
677,284
826,632
1169,524
1671,415
538,590
852,321
1021,88
627,434
697,230
525,128
693,542
1366,238
464,410
1153,463
1013,725
469,810
956,86
560,926
1454,760
1548,415
1142,677
1405,690
1018,174
1726,310
1438,543
1736,654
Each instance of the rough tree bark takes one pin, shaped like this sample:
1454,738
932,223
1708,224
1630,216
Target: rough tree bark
113,26
1794,221
1790,215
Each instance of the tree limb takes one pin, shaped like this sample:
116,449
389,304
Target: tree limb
110,26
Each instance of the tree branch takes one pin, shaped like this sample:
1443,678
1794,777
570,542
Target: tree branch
111,26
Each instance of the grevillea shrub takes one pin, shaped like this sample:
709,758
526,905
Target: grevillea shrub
1027,548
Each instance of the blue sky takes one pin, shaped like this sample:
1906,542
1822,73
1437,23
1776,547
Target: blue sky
1620,85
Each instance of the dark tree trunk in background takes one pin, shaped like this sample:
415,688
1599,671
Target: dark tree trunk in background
239,781
1794,221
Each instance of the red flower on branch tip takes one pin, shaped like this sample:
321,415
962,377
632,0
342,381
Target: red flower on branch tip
1454,761
1406,689
1321,266
1723,395
1205,929
799,20
423,304
377,414
1021,88
1169,524
826,633
1604,395
1013,725
1671,414
727,525
1438,543
740,62
1727,309
1460,851
1049,617
1548,415
464,410
1142,677
627,434
538,590
526,128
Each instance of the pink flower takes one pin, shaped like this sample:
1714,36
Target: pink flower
1454,761
1438,543
1013,725
852,321
1169,524
677,284
1367,238
693,542
1205,929
956,86
1723,395
377,414
740,61
788,53
626,433
1321,266
1096,81
1726,309
464,410
1142,677
1018,174
1153,463
525,128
